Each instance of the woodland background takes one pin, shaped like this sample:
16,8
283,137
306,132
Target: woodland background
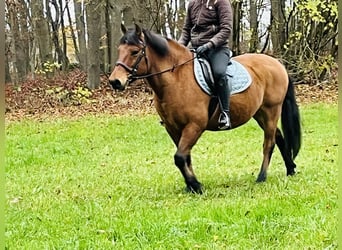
88,167
59,52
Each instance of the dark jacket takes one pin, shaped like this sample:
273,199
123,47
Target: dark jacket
207,20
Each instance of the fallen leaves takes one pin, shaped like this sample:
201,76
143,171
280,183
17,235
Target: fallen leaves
67,95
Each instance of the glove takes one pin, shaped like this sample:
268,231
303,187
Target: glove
201,49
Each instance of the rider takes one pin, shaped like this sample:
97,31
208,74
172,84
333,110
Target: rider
208,26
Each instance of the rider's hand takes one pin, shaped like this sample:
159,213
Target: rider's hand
202,49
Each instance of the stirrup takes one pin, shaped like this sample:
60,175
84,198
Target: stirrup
224,121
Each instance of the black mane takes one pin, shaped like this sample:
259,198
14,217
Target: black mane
156,42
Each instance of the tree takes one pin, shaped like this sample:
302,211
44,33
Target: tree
237,12
41,33
303,33
278,26
58,27
81,31
311,46
93,14
114,18
253,45
17,39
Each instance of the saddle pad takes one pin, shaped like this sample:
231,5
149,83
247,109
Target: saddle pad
239,78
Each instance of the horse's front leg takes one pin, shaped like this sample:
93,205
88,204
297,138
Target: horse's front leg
187,139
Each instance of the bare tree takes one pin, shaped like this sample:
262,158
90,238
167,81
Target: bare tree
93,14
41,32
235,47
8,77
114,20
181,18
18,38
72,31
65,60
278,31
253,21
303,33
81,33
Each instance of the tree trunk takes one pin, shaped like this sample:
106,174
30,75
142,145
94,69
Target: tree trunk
71,28
81,33
181,18
94,34
19,39
253,45
7,70
42,32
26,35
139,12
236,27
104,58
128,15
114,30
65,60
107,32
55,24
278,31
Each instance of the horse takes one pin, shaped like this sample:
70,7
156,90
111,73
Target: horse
183,106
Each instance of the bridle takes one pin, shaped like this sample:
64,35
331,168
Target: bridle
142,54
133,70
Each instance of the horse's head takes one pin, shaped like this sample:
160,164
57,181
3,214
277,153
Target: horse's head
139,51
132,59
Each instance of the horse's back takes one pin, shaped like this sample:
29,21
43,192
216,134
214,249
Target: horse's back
262,64
268,74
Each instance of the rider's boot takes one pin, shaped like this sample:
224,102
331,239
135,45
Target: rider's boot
223,93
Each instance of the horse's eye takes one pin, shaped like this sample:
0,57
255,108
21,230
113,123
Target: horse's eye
135,52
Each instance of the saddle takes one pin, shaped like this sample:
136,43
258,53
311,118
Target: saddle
207,72
238,76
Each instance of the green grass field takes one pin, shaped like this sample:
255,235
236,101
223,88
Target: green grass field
109,182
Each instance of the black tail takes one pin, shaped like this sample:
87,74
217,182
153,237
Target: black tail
290,121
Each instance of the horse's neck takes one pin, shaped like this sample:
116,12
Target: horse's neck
177,56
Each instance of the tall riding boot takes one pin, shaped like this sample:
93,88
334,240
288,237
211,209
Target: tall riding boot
223,93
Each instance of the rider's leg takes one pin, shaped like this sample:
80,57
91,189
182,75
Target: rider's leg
219,60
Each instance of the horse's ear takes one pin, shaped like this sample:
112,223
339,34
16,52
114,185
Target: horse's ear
123,28
137,30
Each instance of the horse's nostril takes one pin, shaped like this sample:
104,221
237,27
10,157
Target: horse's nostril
116,84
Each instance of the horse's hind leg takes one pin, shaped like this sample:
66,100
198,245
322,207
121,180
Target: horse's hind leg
267,152
267,120
290,165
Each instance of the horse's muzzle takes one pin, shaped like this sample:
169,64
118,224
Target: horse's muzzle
116,84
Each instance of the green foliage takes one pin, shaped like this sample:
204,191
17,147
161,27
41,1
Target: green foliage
48,67
81,93
318,11
311,47
109,182
76,96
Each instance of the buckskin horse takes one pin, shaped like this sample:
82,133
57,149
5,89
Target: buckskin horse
184,107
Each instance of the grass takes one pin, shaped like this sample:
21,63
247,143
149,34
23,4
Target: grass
110,183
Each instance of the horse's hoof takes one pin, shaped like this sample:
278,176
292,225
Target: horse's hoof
290,172
261,178
194,189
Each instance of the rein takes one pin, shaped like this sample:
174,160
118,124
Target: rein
161,72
